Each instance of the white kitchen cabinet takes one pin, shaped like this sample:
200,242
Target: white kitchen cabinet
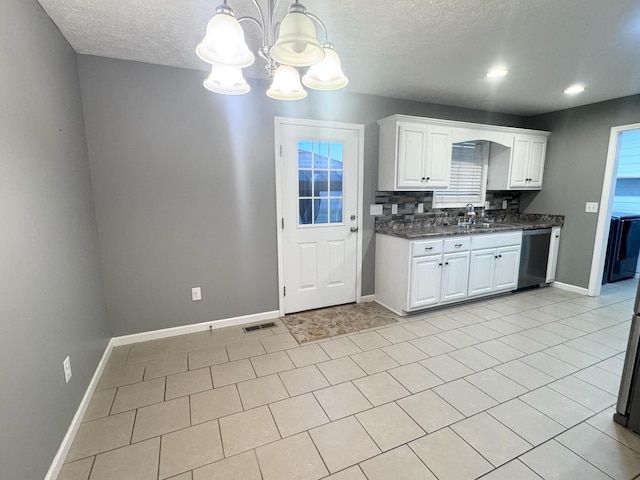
412,275
482,272
507,267
494,263
415,153
426,278
519,168
552,261
455,276
527,162
413,156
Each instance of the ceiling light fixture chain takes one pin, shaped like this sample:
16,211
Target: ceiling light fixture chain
286,46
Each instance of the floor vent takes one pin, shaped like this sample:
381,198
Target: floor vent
262,326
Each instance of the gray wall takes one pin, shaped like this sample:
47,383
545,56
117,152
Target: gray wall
574,171
51,297
184,184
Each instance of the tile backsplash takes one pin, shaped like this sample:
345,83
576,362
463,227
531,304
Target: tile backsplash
407,203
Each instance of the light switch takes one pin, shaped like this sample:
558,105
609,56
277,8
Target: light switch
420,208
375,210
394,209
196,294
591,207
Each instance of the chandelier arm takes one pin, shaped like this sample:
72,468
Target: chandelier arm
260,22
252,20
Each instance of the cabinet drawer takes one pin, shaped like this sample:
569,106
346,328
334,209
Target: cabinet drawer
496,240
426,247
461,244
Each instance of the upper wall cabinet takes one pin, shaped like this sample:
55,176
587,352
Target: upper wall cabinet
521,168
415,154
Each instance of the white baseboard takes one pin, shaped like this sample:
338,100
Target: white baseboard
570,288
400,314
194,328
367,298
58,460
60,457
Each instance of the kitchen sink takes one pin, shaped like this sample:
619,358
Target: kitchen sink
475,226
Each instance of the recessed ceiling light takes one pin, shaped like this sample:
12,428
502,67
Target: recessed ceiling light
497,72
575,89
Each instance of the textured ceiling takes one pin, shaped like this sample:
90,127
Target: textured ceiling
435,51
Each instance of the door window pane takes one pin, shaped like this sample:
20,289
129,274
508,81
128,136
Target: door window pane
336,183
336,210
319,182
306,211
304,183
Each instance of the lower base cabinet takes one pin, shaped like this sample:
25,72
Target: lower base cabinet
414,275
437,279
494,270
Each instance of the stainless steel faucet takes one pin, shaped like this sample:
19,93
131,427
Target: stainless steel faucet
470,213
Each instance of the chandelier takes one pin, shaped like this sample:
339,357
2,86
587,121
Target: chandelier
286,46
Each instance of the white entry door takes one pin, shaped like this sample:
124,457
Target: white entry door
319,168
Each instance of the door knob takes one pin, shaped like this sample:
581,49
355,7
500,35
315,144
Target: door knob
353,229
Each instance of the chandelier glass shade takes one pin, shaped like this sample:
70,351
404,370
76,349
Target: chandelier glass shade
224,43
286,84
327,74
226,80
287,45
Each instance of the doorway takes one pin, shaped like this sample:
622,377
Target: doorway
606,207
319,168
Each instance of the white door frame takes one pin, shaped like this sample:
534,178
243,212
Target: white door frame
606,205
279,122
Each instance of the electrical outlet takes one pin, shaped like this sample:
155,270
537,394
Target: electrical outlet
591,207
66,365
196,294
420,208
505,204
375,210
394,209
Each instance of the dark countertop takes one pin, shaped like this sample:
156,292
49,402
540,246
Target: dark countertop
418,229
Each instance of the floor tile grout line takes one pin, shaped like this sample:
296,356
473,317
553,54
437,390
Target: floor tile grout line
600,360
584,458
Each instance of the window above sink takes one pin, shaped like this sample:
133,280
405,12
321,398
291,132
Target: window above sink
467,181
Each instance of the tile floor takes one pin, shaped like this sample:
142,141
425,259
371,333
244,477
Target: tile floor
515,387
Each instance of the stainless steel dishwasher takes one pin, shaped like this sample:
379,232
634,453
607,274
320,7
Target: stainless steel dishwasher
533,257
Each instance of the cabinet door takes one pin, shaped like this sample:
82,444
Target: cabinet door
554,245
482,267
412,150
438,159
519,170
455,276
536,162
507,268
426,274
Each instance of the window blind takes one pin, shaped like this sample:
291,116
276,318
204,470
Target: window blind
466,177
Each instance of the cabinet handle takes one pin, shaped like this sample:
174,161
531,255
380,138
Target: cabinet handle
428,248
557,236
496,256
439,264
446,263
424,178
428,178
458,245
499,256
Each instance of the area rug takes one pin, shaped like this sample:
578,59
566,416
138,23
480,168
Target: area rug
328,322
